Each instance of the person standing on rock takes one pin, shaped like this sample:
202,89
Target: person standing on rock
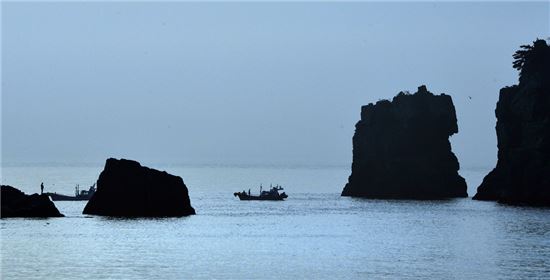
42,188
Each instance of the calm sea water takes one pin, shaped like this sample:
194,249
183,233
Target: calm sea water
315,234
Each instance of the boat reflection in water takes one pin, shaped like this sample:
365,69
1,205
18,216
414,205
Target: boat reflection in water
272,194
79,194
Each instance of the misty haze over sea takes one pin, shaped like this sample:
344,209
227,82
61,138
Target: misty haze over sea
245,83
231,96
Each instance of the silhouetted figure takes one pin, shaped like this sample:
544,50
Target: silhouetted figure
42,188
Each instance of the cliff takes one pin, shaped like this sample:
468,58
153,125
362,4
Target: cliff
401,149
522,173
15,203
127,189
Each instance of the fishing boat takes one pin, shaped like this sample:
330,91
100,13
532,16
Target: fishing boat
272,194
79,194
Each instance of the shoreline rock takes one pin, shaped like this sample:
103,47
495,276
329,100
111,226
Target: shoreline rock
522,172
17,204
127,189
401,149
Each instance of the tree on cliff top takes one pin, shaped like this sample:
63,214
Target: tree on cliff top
533,61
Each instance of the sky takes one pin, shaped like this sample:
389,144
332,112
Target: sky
277,83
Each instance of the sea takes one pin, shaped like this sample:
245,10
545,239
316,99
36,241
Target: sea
314,234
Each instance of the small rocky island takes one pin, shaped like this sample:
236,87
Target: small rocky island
522,173
127,189
15,203
401,149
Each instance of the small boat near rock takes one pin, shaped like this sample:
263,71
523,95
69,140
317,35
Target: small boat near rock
272,194
79,194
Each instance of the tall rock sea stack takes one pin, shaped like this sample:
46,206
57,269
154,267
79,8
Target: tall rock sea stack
127,189
522,173
401,149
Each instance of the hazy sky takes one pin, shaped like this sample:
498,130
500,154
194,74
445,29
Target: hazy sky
247,83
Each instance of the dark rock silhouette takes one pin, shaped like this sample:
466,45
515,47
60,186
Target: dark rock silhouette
15,203
522,173
401,149
127,189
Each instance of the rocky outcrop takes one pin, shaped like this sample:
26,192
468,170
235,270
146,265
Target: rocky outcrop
15,203
127,189
401,149
522,173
